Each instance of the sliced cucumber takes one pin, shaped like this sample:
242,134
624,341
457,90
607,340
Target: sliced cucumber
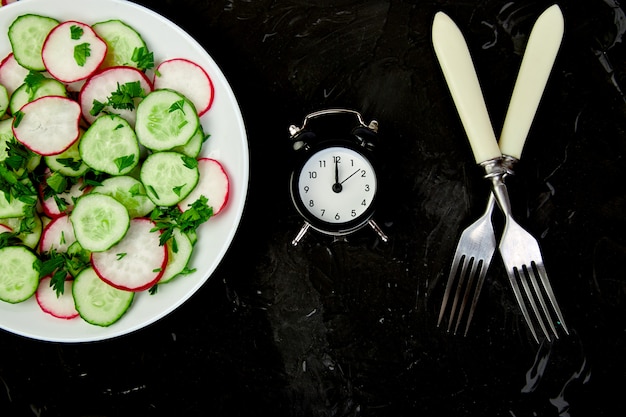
97,302
169,177
6,136
165,119
179,249
4,100
122,41
68,163
110,145
99,221
194,146
19,274
11,207
130,192
27,35
24,93
29,233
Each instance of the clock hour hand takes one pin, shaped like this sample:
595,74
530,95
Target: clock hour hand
337,187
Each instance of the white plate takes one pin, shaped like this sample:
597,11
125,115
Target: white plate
227,143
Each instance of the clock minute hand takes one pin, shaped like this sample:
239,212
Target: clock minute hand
350,176
337,185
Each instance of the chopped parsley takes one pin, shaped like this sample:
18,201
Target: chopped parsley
81,53
177,105
169,218
76,32
143,58
124,162
121,99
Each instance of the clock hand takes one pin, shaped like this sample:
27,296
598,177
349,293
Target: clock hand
350,176
337,185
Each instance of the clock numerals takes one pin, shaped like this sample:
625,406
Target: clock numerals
337,185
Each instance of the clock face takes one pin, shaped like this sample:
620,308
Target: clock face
336,185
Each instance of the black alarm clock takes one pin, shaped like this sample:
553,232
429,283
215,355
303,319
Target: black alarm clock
334,183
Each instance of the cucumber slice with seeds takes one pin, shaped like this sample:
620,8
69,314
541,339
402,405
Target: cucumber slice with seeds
165,119
169,177
27,35
19,274
122,41
96,301
23,94
99,221
130,192
110,145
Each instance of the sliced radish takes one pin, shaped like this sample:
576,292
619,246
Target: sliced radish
49,125
103,84
49,205
12,74
213,184
58,235
61,306
73,51
137,262
5,229
189,79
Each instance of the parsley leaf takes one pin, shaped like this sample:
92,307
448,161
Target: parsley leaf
97,107
76,32
178,189
124,162
33,81
189,162
122,99
19,115
81,53
169,218
61,265
177,105
143,58
70,163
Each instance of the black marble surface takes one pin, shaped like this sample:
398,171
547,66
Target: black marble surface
349,329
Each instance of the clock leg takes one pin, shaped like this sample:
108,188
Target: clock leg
301,233
378,230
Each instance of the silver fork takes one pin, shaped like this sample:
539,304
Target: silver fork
474,250
477,243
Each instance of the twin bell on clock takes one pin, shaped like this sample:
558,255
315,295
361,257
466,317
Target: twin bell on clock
334,183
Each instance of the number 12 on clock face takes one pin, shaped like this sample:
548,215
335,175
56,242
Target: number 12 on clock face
337,185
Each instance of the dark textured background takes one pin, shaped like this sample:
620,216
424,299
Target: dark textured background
336,329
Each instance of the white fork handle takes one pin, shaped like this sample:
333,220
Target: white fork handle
541,51
458,69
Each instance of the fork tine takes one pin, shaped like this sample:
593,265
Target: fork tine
468,290
543,276
457,293
531,300
511,272
479,286
540,296
453,272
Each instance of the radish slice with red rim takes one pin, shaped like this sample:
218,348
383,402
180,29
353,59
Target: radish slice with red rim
73,51
189,79
12,74
62,305
213,184
49,205
57,235
135,263
102,85
48,125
